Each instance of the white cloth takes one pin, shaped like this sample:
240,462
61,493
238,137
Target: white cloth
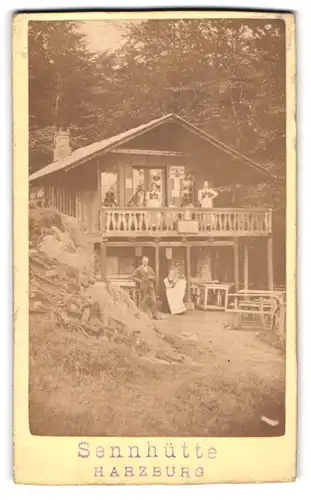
153,218
175,295
153,199
206,201
205,198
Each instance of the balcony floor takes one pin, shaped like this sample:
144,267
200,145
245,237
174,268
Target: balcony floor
176,235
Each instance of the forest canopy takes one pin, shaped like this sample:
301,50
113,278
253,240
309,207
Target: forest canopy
225,76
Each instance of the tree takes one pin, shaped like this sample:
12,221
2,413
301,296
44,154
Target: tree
226,76
63,87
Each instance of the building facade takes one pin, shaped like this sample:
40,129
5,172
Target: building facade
145,192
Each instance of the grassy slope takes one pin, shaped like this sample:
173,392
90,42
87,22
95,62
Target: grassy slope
90,387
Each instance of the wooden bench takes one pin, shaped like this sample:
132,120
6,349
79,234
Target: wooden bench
249,306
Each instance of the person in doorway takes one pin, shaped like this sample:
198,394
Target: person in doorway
175,292
153,197
154,200
145,279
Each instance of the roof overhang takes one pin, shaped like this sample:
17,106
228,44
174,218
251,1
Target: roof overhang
87,153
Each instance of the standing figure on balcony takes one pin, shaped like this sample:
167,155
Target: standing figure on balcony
110,199
206,197
187,192
138,199
154,200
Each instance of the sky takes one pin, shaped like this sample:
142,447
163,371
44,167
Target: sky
107,35
104,35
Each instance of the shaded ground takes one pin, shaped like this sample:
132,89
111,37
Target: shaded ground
228,381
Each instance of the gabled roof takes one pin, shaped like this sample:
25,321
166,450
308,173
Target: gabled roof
84,154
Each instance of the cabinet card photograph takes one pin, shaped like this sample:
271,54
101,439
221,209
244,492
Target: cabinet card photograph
154,241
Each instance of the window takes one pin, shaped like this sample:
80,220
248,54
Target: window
109,189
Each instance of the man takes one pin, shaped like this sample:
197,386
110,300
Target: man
145,278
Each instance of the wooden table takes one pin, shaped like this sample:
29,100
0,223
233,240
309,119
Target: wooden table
207,286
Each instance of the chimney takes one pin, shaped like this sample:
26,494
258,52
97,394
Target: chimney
62,144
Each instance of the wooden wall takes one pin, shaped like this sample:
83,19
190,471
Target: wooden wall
77,192
124,163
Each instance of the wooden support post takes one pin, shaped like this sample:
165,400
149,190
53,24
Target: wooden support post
157,266
97,259
188,275
63,201
138,255
236,264
270,262
58,198
103,260
66,201
245,266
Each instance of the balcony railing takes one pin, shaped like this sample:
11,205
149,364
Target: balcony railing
116,222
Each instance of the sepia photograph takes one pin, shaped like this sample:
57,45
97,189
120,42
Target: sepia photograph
157,227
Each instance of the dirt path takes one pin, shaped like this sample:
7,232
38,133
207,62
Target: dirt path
249,364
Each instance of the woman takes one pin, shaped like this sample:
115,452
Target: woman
154,200
187,192
175,292
110,198
206,197
138,199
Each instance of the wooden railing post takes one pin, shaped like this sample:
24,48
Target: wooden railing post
103,260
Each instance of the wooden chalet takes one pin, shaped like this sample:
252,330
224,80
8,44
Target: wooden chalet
104,185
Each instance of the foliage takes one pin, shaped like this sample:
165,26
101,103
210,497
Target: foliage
226,76
63,77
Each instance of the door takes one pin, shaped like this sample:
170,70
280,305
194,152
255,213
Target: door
147,180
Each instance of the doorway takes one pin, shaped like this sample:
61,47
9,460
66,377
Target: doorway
146,179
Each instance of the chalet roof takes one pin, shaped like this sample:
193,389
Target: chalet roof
84,154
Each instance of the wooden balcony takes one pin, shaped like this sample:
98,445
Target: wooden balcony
173,222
